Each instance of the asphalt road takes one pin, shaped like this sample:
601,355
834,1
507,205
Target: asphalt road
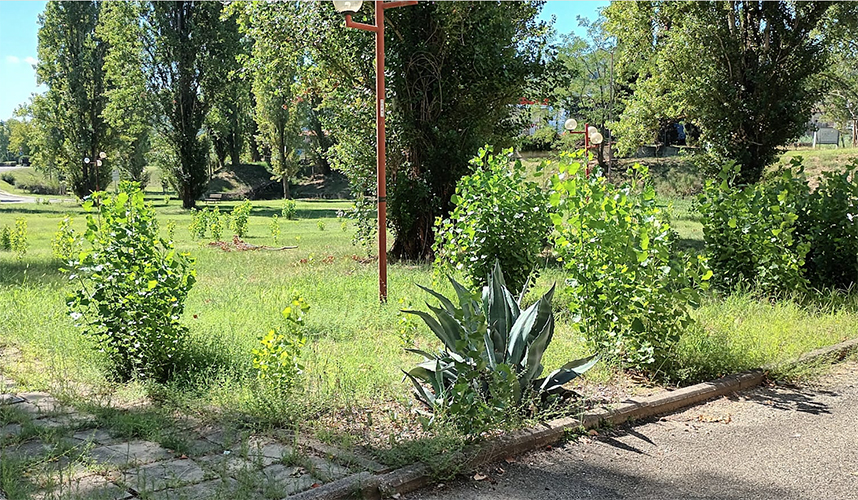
13,198
767,443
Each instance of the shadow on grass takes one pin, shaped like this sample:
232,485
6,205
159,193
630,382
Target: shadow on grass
13,272
322,212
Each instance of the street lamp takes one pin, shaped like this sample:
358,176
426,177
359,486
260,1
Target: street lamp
95,163
347,8
592,138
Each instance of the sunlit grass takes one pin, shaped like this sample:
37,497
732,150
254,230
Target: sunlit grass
355,354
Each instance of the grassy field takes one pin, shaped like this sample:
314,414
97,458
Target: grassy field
353,384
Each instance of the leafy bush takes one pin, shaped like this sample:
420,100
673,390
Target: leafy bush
8,178
18,238
492,357
540,140
6,238
239,218
830,225
66,242
750,232
133,286
199,225
215,223
290,210
207,221
274,228
498,216
278,358
626,289
171,230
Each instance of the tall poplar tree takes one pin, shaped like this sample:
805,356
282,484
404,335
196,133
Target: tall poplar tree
184,56
129,105
71,65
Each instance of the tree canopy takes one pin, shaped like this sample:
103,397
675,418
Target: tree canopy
744,71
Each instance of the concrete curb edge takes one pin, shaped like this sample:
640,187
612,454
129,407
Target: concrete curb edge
418,475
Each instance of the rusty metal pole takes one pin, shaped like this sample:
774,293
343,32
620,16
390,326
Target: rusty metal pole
587,150
381,153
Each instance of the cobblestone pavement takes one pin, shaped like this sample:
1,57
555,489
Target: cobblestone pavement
63,454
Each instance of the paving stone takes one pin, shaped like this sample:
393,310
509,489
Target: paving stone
228,465
225,439
10,430
215,488
290,479
327,470
162,475
199,447
89,487
97,436
70,421
44,402
269,454
129,453
356,458
10,399
31,449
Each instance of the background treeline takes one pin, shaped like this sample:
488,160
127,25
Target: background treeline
192,87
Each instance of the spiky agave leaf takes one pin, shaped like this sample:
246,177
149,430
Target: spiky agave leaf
527,327
501,311
566,373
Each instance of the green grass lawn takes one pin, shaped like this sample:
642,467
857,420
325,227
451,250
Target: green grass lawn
355,354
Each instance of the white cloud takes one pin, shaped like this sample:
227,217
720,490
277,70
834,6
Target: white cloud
12,59
31,60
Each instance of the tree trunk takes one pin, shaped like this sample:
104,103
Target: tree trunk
188,199
235,148
322,141
255,153
415,244
286,194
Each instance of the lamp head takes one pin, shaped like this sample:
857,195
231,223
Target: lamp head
102,155
347,6
86,160
596,138
571,124
591,130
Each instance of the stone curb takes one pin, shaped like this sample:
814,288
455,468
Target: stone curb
415,476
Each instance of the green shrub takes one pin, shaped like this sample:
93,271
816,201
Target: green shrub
830,225
199,225
133,286
498,216
215,223
66,242
18,238
171,230
8,178
290,210
540,140
274,228
750,232
492,357
278,359
239,218
6,238
628,292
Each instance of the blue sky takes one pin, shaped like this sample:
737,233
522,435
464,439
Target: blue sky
18,28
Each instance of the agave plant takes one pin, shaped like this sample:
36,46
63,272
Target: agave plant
492,335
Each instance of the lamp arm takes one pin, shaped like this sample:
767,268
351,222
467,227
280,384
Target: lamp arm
360,26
